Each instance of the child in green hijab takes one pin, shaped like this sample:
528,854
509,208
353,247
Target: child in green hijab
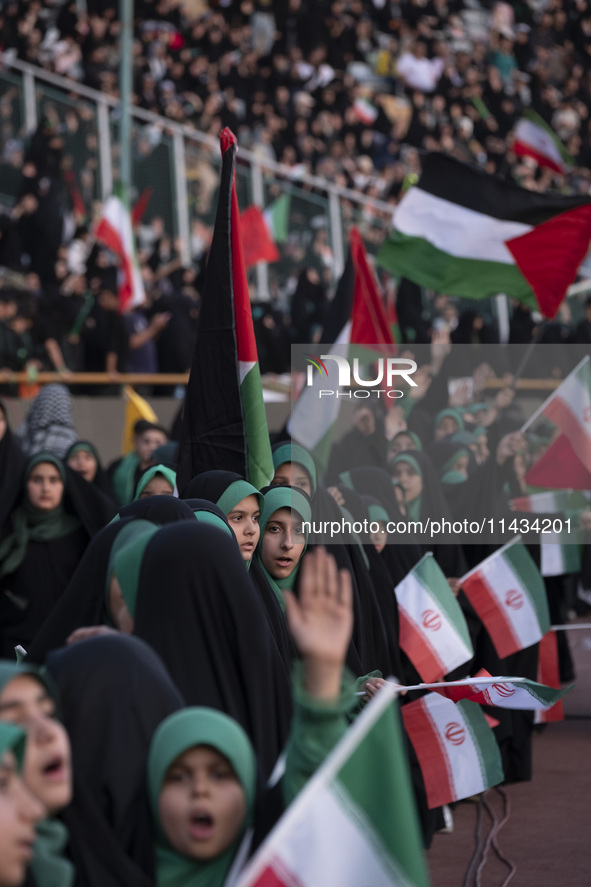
284,537
294,466
160,480
202,772
19,810
27,700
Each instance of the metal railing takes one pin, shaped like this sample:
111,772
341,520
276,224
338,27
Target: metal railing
171,158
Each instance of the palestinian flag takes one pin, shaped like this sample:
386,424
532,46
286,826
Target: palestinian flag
115,231
509,596
224,422
501,692
356,317
355,823
462,232
548,673
560,468
569,408
534,138
433,630
457,751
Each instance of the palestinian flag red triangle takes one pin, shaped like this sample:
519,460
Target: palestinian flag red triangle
549,255
559,469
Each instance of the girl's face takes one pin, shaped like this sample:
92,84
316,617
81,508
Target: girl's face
379,537
3,424
447,425
45,487
292,474
47,770
244,521
158,486
283,543
410,481
400,444
461,464
84,463
19,811
202,806
122,618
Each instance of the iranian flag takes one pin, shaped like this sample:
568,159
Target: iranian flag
356,317
502,692
456,749
548,673
462,232
569,408
365,111
355,823
534,138
114,230
549,501
263,230
224,422
508,594
433,630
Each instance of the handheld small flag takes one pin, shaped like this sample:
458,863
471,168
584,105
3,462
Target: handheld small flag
457,751
355,823
548,673
534,138
115,231
508,594
433,630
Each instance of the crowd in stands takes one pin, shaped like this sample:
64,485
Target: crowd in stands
354,91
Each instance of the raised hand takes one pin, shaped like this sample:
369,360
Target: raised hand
321,621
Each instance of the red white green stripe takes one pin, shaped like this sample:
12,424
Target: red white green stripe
456,749
276,218
355,822
549,502
365,111
433,630
548,673
534,138
570,409
115,231
508,594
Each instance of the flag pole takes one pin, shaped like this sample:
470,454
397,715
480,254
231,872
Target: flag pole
125,90
540,409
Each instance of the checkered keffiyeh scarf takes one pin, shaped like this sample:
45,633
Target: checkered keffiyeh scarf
48,426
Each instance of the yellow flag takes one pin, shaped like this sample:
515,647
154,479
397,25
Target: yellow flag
135,408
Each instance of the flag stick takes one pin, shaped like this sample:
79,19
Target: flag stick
570,627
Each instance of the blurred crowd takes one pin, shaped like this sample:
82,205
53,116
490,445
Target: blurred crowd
351,90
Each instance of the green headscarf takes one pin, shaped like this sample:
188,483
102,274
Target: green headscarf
13,739
124,478
32,524
86,447
466,438
476,408
276,498
126,557
235,493
414,437
413,507
180,732
214,520
145,479
293,452
453,414
50,867
378,513
446,467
